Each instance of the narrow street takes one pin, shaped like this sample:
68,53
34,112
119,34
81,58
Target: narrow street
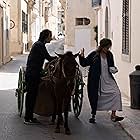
13,128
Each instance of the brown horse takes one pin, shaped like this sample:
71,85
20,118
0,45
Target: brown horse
63,78
60,84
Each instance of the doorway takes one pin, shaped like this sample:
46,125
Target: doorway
83,40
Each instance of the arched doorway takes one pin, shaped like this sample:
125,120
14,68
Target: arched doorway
106,23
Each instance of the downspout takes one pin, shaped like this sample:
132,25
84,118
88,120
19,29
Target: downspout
19,25
29,11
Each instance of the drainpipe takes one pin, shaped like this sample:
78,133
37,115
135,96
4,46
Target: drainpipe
30,8
19,25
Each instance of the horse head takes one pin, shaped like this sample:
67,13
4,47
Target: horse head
68,64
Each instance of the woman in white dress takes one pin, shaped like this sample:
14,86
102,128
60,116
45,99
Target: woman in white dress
103,91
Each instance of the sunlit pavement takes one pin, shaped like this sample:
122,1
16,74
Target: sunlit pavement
12,127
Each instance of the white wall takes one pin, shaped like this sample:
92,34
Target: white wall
79,9
36,24
6,29
83,40
125,67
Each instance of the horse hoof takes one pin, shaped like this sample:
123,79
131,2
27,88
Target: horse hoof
67,131
57,130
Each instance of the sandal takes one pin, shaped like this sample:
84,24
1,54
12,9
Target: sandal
116,118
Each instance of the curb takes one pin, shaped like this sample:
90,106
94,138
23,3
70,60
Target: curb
127,132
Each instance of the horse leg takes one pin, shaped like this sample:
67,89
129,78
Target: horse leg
67,130
66,112
54,113
53,119
57,129
61,119
59,116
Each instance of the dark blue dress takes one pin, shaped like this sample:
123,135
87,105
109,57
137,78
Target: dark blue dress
94,61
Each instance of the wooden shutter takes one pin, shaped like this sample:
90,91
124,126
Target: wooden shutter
125,27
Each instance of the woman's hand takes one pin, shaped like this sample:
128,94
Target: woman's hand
82,52
113,70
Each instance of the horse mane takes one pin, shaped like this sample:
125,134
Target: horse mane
68,53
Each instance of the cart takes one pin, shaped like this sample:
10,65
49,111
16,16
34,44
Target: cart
77,96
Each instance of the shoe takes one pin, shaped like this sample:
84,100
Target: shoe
31,121
92,119
116,118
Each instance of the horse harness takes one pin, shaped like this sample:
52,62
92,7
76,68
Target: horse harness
51,70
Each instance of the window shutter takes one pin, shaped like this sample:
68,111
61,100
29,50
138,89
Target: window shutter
125,27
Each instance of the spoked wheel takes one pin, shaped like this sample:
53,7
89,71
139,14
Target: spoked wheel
20,90
77,98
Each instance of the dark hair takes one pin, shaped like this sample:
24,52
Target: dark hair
44,34
105,42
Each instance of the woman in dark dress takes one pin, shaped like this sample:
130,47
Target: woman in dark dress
103,92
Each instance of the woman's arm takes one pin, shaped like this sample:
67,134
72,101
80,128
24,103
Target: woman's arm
86,61
112,68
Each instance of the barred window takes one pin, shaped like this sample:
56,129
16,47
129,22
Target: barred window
24,22
125,28
82,21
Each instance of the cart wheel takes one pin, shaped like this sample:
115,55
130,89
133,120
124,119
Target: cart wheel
77,98
21,90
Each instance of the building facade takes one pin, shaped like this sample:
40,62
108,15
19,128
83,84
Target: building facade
26,16
118,20
19,32
52,11
35,20
4,31
80,21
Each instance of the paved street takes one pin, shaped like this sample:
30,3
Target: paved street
12,127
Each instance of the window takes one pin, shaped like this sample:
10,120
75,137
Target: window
96,3
82,21
106,23
24,22
46,14
125,28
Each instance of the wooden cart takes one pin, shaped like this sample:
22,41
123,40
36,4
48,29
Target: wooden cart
77,96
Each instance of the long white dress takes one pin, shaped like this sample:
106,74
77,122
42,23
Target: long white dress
109,96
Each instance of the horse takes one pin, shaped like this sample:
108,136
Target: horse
63,78
61,75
